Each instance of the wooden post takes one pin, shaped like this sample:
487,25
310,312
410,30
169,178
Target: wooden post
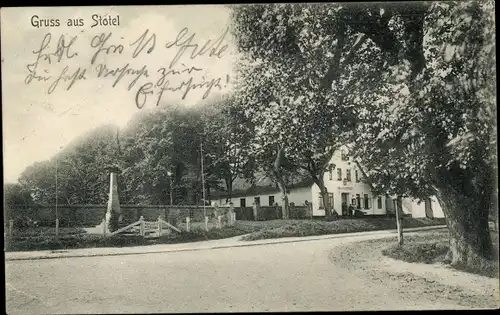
219,222
159,226
206,223
11,227
399,222
57,227
104,226
188,221
231,214
142,232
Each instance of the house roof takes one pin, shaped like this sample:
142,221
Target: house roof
263,187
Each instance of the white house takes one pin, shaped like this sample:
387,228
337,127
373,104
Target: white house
345,185
423,209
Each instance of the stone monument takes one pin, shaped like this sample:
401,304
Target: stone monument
113,214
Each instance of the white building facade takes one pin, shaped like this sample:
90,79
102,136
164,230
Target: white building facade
345,185
344,182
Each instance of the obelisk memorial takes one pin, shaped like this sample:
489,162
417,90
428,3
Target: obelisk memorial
113,213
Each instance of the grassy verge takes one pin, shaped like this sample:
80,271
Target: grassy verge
71,238
432,247
294,228
37,241
43,231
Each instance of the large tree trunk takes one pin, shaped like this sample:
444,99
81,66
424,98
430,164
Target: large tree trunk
466,207
324,195
280,157
429,213
326,204
229,185
285,208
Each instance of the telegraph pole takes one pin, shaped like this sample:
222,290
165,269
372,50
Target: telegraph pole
203,180
57,197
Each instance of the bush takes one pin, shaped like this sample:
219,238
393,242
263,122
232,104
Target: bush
72,242
358,213
433,247
290,228
427,253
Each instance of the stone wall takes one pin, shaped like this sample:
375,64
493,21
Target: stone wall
265,213
92,215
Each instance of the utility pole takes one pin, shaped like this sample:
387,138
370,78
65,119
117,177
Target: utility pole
171,192
57,210
203,180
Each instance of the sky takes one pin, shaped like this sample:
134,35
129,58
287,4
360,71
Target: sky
41,115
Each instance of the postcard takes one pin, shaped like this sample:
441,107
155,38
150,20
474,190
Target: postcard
250,157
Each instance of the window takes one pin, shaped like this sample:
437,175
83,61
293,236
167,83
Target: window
348,175
271,200
367,202
330,172
257,201
330,199
356,175
343,155
320,202
358,201
379,202
339,174
243,203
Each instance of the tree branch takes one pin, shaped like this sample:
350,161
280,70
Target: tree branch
333,71
359,41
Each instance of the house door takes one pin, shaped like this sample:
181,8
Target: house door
345,204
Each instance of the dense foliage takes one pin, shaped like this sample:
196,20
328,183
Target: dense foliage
152,145
408,87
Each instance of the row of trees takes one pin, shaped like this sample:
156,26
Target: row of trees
153,144
408,87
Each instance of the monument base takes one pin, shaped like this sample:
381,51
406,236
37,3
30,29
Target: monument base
98,229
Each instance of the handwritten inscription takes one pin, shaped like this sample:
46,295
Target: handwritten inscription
185,42
65,75
119,73
57,64
185,86
101,43
61,51
142,43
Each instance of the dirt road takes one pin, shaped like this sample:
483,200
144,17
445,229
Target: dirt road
322,275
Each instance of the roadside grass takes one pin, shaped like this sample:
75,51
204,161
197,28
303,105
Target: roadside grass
33,240
44,238
43,231
432,248
293,228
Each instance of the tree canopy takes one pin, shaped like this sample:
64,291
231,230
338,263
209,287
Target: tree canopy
408,87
